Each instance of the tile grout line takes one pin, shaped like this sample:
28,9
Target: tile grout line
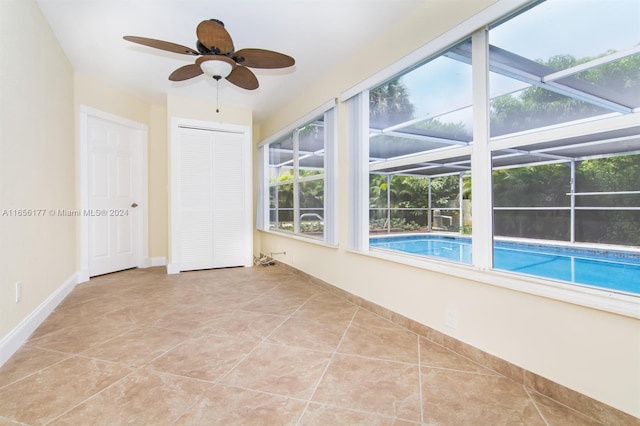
218,381
188,409
535,405
333,355
368,413
67,357
91,397
13,421
263,340
191,337
34,344
529,391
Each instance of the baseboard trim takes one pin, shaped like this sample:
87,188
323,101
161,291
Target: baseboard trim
83,276
155,261
173,268
533,382
10,344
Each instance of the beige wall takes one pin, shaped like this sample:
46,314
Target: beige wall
199,109
37,167
158,179
106,98
591,351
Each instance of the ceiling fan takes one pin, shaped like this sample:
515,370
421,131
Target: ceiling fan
217,57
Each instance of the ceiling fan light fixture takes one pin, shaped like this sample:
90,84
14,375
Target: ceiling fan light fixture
217,58
216,67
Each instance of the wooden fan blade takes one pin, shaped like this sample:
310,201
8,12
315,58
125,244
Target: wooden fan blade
260,58
243,77
163,45
186,72
213,35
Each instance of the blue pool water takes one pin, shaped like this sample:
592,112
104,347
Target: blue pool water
609,269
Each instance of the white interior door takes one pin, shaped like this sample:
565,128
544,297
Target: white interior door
212,199
113,191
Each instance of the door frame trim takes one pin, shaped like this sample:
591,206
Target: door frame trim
174,263
83,186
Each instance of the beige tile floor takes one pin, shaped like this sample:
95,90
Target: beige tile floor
246,346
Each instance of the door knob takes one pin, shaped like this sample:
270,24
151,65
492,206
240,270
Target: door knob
134,205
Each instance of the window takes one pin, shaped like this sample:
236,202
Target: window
556,63
589,199
296,181
555,107
531,201
607,199
298,178
566,193
420,130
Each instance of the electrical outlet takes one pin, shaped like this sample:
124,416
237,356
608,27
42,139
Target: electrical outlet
451,318
18,292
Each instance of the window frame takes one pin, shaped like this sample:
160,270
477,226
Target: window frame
483,147
329,175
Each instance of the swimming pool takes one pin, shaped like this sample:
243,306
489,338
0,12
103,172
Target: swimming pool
615,270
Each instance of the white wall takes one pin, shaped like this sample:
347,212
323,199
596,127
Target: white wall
588,350
37,166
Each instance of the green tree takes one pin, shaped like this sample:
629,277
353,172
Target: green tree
609,175
389,104
538,186
537,107
532,186
455,131
547,186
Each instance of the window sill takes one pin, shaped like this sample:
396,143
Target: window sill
296,237
603,300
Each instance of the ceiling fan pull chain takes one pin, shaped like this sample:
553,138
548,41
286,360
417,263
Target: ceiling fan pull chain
217,77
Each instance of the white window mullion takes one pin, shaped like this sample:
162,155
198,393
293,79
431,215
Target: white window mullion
296,183
429,209
461,203
330,178
262,213
482,232
572,221
359,171
389,204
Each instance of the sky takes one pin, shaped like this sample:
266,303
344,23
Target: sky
582,28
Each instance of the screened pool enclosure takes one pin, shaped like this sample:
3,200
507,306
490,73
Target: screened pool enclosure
531,125
564,131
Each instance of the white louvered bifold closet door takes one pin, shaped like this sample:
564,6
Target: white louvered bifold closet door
229,244
211,199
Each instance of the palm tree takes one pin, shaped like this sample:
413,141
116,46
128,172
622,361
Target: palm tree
390,104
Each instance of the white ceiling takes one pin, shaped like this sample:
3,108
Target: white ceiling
317,33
